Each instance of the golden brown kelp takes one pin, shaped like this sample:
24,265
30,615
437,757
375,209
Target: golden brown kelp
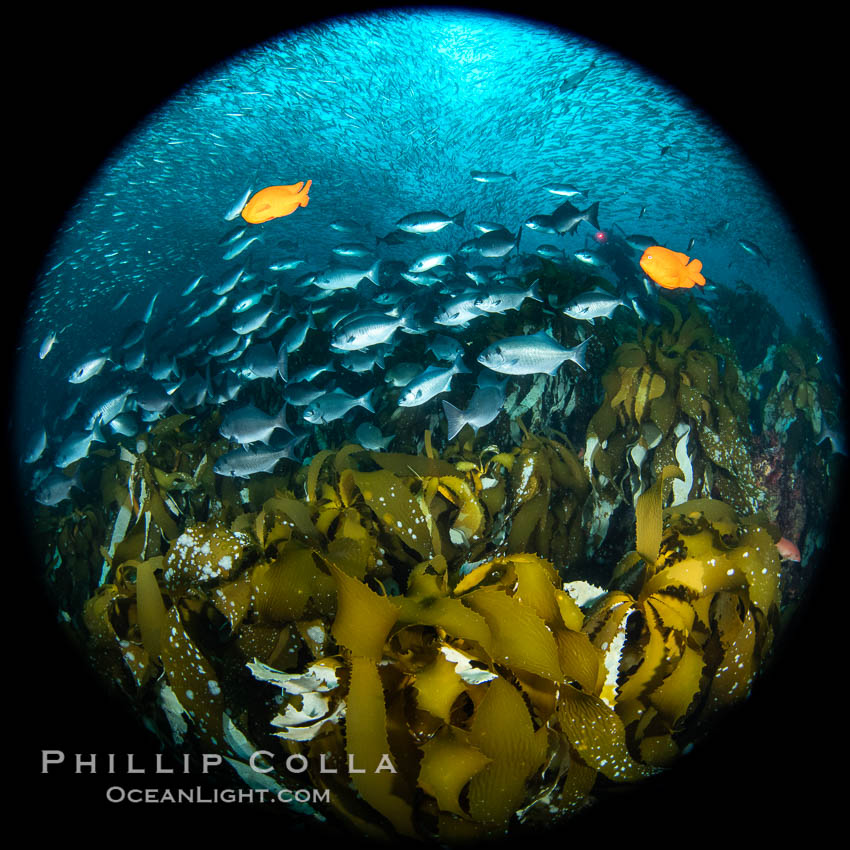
671,396
406,615
696,624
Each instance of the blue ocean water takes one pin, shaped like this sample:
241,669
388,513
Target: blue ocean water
387,115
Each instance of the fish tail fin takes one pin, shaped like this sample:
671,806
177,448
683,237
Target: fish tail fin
97,431
694,267
534,291
459,218
305,199
407,319
577,354
591,214
455,419
518,236
366,401
280,419
373,273
379,359
513,174
283,362
459,366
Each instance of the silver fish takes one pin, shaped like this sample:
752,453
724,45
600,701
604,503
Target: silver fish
564,189
429,261
239,247
402,374
223,343
243,463
192,286
296,335
234,210
589,258
285,265
253,319
593,305
497,243
76,446
344,277
640,242
302,394
527,355
549,252
149,312
46,345
459,311
363,361
507,298
430,383
228,282
248,301
126,424
370,437
108,404
334,405
752,248
213,308
352,249
310,373
86,370
484,406
250,425
444,347
37,445
429,222
56,488
567,218
259,361
491,176
541,223
134,334
370,329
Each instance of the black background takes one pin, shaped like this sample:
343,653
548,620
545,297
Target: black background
79,81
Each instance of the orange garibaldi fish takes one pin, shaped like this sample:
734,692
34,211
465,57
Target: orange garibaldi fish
670,269
276,201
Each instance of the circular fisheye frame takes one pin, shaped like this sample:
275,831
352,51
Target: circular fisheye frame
427,425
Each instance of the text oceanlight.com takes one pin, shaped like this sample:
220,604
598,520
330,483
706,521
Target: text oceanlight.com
117,794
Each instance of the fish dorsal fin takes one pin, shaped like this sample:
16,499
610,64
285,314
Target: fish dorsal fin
683,257
695,266
542,335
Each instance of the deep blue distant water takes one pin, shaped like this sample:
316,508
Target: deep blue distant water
388,114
